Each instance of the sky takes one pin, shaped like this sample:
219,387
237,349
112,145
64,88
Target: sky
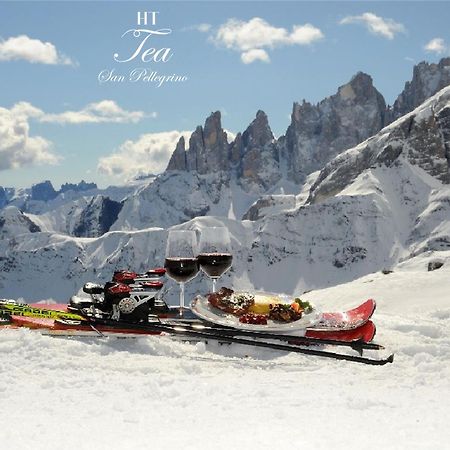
74,103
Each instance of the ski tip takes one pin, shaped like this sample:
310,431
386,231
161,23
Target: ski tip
372,302
369,331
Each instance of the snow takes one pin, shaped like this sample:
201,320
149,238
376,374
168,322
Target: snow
156,393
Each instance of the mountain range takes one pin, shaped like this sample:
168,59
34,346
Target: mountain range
354,186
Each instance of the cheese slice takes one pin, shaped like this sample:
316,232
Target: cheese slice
263,302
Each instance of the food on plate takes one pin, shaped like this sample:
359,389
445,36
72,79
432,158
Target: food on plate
263,302
226,300
284,313
253,319
303,304
257,309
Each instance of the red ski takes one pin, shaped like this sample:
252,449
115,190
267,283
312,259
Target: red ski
348,320
365,333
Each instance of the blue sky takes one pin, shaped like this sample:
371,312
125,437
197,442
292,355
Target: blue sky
59,121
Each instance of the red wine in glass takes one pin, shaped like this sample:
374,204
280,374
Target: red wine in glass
215,264
181,269
181,263
214,254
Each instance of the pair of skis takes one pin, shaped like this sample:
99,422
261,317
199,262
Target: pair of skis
352,329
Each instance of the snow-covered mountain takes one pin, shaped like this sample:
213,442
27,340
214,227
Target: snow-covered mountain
378,204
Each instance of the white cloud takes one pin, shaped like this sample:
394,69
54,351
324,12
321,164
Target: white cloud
256,54
149,154
305,34
381,26
17,147
105,111
32,50
436,45
201,27
253,37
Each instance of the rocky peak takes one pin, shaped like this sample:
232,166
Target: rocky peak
420,138
43,191
259,156
360,86
258,133
80,187
178,158
318,133
208,149
427,80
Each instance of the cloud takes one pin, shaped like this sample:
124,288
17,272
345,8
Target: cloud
17,147
105,111
252,38
32,50
256,54
380,26
436,45
149,154
201,27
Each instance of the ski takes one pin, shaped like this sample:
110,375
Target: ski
338,325
286,343
22,309
353,318
358,339
353,338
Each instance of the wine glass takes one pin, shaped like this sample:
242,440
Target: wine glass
214,254
181,263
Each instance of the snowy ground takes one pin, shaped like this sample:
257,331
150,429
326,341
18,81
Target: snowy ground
152,393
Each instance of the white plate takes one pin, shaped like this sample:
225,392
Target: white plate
204,310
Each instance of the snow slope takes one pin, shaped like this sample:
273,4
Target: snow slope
155,393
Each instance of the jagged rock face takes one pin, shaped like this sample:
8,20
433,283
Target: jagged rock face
253,157
422,138
428,79
318,133
80,187
259,157
14,222
43,191
178,160
207,152
98,217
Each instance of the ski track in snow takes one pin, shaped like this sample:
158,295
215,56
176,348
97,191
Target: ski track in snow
154,393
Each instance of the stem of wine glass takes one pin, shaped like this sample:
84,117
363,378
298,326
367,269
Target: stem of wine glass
181,298
214,281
